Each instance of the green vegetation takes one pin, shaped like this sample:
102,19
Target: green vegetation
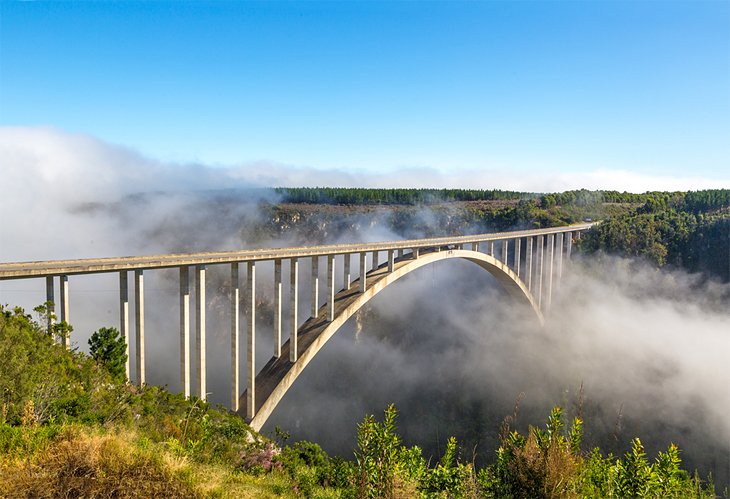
688,230
69,428
363,196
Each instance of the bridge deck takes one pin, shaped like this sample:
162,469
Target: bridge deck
23,270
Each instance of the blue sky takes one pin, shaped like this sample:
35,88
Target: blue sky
531,87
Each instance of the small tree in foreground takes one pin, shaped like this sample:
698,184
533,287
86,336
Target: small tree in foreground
109,349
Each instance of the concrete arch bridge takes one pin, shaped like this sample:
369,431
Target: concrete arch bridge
528,264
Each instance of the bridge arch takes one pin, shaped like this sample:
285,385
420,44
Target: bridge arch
279,374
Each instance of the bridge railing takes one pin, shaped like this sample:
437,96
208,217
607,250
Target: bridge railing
536,266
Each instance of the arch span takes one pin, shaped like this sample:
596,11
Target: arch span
279,374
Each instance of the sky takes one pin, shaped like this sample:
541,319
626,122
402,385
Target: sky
610,94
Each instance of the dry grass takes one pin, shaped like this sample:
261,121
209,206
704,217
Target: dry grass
81,463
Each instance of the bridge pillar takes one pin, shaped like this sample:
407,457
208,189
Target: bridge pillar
490,248
559,260
200,332
124,315
400,253
139,323
277,307
347,276
475,246
251,342
51,303
391,260
330,288
375,260
551,255
65,312
569,244
505,250
185,331
518,247
540,268
315,286
235,328
293,299
415,252
529,263
363,272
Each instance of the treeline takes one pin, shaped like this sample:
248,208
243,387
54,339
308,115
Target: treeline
688,230
364,196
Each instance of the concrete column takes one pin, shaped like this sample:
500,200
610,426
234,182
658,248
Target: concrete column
235,328
549,271
490,248
400,253
518,248
315,286
391,260
346,271
540,268
415,252
577,235
200,367
185,330
568,244
505,250
277,308
363,272
139,323
65,315
559,260
293,304
475,246
124,314
251,343
51,303
375,260
330,287
528,263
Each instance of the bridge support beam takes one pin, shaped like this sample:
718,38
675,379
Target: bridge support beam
550,268
363,272
124,315
330,287
400,253
490,248
518,248
559,260
375,260
51,303
235,328
415,252
528,263
505,250
65,312
293,304
200,332
475,246
540,268
251,341
315,286
139,323
277,308
347,274
391,260
569,244
185,331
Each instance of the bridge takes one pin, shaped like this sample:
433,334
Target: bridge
528,264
